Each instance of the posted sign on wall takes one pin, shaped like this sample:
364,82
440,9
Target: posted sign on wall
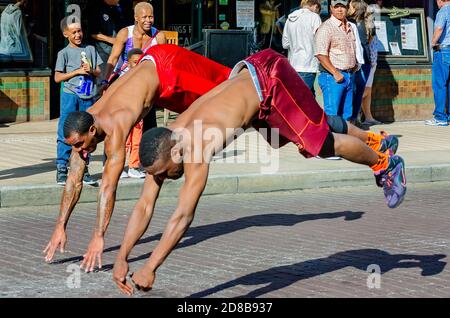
245,13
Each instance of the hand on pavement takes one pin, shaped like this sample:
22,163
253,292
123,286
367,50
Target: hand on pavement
143,280
93,254
58,239
120,271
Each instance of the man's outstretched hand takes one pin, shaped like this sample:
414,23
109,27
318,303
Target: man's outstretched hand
120,271
58,239
93,254
143,280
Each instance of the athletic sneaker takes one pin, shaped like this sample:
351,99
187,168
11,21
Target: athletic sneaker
135,173
435,122
393,181
371,122
357,122
124,174
87,178
61,175
329,158
389,142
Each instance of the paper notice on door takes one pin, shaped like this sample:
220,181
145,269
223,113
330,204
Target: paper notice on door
245,13
408,29
381,31
395,48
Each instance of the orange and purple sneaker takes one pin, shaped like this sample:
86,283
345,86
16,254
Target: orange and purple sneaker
389,142
393,181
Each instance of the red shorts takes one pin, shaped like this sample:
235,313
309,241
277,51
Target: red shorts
184,76
287,104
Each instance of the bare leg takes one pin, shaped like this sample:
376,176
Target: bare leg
366,103
378,142
354,150
357,132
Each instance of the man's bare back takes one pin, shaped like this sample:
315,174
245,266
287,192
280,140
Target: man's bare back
216,110
128,99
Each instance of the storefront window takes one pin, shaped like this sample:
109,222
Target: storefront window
24,30
405,4
179,17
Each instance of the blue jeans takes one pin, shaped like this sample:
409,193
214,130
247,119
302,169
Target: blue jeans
68,103
309,79
440,83
337,97
360,81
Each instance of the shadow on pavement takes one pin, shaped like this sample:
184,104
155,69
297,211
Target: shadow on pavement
282,276
201,233
25,171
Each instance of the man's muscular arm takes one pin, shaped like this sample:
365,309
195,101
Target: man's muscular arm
196,176
161,38
137,225
70,196
116,51
436,36
115,152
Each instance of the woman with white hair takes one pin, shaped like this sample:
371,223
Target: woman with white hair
141,35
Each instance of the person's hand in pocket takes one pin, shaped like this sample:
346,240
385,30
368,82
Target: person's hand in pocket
338,77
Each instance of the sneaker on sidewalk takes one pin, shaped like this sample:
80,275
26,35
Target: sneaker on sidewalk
124,174
393,181
135,173
329,158
371,122
61,175
435,122
333,158
389,142
356,122
87,178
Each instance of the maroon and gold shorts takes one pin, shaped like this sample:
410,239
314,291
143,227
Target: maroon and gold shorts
286,103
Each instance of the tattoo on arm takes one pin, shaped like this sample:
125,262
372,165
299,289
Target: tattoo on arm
104,208
72,189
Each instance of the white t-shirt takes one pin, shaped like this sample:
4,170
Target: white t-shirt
298,38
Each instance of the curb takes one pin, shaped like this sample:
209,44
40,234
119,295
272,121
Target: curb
50,194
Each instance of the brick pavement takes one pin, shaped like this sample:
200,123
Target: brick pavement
311,243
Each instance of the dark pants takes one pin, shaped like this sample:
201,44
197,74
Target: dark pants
361,77
309,79
150,120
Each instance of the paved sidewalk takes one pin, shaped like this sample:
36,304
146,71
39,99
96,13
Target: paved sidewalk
27,171
311,243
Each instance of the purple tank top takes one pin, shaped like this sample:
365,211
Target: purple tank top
129,43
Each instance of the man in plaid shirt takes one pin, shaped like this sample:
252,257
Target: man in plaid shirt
335,47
